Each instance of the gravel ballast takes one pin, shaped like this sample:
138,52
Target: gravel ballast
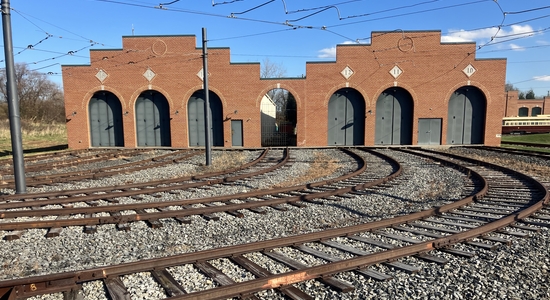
516,271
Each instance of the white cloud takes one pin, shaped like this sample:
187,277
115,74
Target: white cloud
486,34
327,52
517,47
331,52
468,36
542,78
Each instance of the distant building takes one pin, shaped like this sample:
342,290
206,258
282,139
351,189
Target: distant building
516,107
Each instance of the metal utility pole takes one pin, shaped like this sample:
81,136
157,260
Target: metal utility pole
207,121
13,103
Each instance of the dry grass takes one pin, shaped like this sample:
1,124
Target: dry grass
33,129
322,166
433,190
225,161
521,166
34,135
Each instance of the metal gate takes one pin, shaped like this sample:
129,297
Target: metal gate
195,111
152,120
346,118
105,113
278,118
394,117
429,131
466,117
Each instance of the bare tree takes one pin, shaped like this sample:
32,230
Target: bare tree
272,70
40,99
510,87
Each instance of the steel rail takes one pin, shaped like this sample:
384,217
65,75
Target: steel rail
123,187
50,155
275,281
62,281
184,212
538,145
532,153
96,173
60,162
43,282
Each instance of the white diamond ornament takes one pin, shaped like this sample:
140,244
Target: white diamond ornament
101,75
347,72
200,74
396,72
149,74
469,70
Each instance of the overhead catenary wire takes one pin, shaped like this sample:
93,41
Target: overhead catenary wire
328,29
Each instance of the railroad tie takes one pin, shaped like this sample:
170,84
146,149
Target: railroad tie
218,276
365,271
207,217
56,231
89,228
258,271
181,220
395,264
453,251
337,284
167,281
116,288
13,235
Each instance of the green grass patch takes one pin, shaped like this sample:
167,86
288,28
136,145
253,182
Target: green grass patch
538,138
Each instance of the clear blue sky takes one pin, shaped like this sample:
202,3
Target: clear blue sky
48,34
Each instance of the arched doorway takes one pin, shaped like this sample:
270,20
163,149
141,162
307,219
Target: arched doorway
523,112
152,120
278,118
394,117
346,118
105,115
195,109
466,117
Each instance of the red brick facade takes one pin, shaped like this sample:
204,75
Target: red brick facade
514,104
431,73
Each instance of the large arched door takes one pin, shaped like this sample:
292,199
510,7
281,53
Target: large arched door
195,109
394,117
152,120
346,118
105,114
466,117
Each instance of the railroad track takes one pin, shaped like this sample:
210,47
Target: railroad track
60,173
524,152
499,200
65,205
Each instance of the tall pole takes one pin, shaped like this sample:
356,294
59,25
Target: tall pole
13,103
207,121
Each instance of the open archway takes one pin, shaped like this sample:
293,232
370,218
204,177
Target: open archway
279,118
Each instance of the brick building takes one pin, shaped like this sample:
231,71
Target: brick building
404,88
516,107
